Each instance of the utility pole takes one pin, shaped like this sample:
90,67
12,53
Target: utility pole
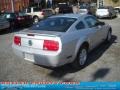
12,4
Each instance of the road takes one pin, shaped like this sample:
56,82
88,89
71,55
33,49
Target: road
103,63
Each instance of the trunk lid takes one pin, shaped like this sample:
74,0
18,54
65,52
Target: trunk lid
35,38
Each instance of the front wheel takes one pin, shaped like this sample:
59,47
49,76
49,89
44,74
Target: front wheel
109,36
81,58
36,19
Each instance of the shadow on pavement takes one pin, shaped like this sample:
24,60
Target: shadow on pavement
60,72
13,30
100,73
108,18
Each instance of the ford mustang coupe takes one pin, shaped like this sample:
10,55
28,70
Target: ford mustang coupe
61,39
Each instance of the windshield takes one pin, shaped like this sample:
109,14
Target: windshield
59,24
9,15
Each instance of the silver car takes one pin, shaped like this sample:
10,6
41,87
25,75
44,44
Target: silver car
61,39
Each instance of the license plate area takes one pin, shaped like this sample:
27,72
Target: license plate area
29,57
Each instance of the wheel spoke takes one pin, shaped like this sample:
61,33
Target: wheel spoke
83,57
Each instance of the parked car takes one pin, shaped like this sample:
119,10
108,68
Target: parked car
117,9
64,8
18,19
4,24
48,12
38,14
87,10
83,10
61,39
105,12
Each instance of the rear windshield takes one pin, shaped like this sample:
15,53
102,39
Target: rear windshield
59,24
9,15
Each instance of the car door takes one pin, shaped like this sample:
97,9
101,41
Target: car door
3,23
94,31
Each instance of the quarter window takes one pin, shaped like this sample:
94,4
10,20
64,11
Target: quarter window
36,9
91,21
80,25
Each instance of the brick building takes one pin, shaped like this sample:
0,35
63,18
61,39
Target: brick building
16,5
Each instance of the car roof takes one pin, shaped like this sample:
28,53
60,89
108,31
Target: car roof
77,16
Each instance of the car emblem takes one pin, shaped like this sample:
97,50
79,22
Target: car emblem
30,43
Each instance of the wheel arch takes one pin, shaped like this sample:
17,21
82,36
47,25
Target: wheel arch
84,43
35,16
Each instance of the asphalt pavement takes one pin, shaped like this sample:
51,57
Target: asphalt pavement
103,64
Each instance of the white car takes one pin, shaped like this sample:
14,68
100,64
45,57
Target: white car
105,12
83,11
38,14
61,39
4,24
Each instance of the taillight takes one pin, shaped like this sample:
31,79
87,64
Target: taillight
20,18
43,13
51,45
17,40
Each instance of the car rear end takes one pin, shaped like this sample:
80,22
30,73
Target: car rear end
83,11
43,49
23,19
102,13
43,43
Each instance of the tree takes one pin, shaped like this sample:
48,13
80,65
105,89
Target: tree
115,1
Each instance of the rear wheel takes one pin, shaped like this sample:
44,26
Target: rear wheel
109,36
36,19
81,58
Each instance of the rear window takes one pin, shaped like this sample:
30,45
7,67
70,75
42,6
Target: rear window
59,24
36,9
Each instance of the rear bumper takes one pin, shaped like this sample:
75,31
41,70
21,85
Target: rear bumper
44,60
102,16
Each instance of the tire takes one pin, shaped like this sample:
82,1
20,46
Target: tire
109,36
81,58
12,25
36,19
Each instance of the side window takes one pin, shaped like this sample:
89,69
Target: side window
91,21
36,9
80,25
28,10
